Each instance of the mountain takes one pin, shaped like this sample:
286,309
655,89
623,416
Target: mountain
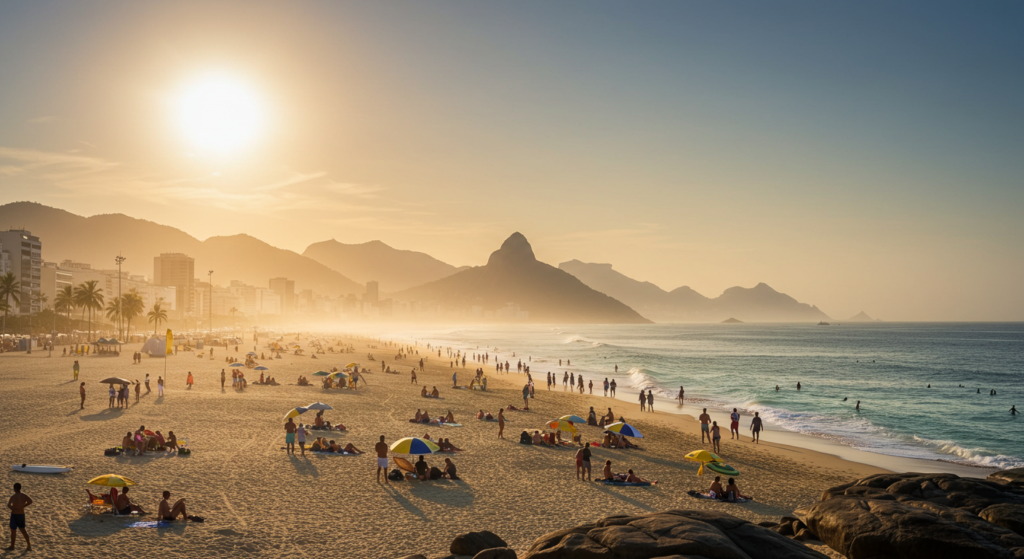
98,239
732,321
757,304
392,268
862,317
514,275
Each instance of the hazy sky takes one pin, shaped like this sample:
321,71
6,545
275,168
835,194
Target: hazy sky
864,155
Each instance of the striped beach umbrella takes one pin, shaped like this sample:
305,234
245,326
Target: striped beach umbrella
295,413
414,445
573,418
625,429
562,425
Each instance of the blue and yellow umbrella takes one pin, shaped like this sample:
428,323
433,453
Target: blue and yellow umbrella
625,429
414,445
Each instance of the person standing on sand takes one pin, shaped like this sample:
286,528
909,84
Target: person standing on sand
590,387
147,384
382,458
705,419
682,395
605,387
650,400
501,423
138,390
734,427
455,382
612,386
223,377
74,368
160,386
81,392
112,395
716,437
526,396
301,436
755,428
289,436
643,401
189,380
17,504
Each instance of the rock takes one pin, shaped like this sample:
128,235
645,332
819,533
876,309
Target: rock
1006,515
677,533
496,553
873,528
1014,477
414,556
768,524
803,535
475,542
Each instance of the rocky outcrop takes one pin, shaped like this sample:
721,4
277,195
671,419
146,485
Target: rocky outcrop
475,542
920,515
677,533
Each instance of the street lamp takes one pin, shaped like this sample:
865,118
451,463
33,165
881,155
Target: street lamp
211,304
119,259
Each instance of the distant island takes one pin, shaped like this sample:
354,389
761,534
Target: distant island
862,317
733,321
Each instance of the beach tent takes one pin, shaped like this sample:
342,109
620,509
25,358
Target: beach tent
155,347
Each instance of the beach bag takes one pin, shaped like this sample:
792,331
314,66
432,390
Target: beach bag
396,475
524,438
111,452
435,473
184,452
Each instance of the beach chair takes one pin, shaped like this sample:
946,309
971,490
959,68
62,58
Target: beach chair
98,504
405,466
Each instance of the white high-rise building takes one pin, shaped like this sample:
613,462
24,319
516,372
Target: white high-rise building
25,261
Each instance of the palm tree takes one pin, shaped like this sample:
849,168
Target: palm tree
132,306
64,302
157,315
113,311
89,297
10,289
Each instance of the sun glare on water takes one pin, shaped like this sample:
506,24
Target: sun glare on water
220,114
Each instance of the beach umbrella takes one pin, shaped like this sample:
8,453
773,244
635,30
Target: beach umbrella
339,374
253,353
115,380
111,480
236,365
261,368
562,425
295,413
319,406
351,365
573,418
321,374
625,429
414,445
702,456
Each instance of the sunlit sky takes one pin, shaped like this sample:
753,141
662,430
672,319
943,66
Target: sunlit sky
858,156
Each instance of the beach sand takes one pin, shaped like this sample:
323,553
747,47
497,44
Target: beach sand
258,500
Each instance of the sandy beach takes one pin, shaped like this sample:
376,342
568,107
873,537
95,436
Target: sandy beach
258,500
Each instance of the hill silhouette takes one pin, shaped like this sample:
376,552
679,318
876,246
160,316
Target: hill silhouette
392,268
757,304
98,239
862,317
514,275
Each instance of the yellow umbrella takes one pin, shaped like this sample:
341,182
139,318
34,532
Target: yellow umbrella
295,413
562,425
351,365
704,457
111,480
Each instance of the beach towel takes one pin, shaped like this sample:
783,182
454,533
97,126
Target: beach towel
328,453
697,495
626,483
487,419
451,425
151,524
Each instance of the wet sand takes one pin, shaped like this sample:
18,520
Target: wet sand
258,500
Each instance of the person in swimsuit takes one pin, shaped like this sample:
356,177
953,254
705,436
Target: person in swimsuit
716,437
422,469
166,511
705,420
643,401
301,436
650,400
682,393
633,478
17,504
289,436
501,423
381,449
125,506
732,491
449,470
586,462
607,471
81,392
734,427
755,428
612,386
716,488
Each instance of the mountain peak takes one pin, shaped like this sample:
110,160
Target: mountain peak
515,250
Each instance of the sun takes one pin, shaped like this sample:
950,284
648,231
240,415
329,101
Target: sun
220,114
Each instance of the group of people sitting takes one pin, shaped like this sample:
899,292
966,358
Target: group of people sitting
432,394
424,418
730,493
320,425
303,381
321,444
424,472
141,440
628,477
544,439
125,506
615,440
269,380
484,415
444,444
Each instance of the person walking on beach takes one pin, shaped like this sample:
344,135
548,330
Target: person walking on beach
455,382
301,436
17,504
74,369
682,395
501,423
223,377
160,386
605,387
716,437
112,395
590,386
755,428
81,392
565,380
734,427
705,419
526,396
382,458
612,386
289,436
650,400
189,380
643,401
147,384
413,381
138,390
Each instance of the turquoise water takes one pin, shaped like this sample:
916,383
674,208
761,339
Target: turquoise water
886,366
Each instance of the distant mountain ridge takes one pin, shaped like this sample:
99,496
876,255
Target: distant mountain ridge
514,275
760,303
392,268
98,239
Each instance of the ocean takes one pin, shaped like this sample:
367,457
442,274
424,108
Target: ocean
887,366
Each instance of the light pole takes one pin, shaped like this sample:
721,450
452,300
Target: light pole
120,304
211,304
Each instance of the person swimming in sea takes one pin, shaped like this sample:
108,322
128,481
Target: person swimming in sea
858,405
1013,410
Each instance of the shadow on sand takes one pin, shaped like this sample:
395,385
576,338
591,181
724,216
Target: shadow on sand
109,413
